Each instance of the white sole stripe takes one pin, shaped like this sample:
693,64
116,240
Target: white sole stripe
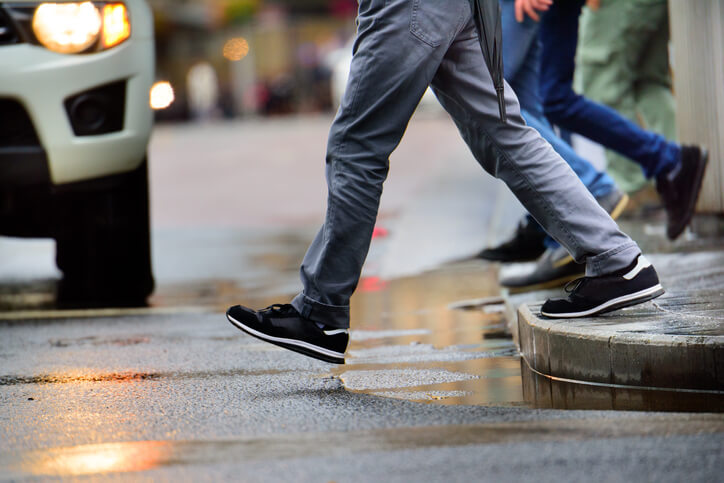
605,305
298,343
335,332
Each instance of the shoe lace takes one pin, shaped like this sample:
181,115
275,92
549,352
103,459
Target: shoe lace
573,285
277,309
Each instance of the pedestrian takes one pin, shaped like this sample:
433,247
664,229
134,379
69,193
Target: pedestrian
678,170
554,266
401,48
623,63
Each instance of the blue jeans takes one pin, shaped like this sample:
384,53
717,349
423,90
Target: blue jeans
521,60
562,106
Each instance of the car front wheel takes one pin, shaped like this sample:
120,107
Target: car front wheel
103,242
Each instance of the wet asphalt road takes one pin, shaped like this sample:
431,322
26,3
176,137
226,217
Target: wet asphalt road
187,396
430,393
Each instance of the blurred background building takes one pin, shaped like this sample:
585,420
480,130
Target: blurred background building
240,58
230,58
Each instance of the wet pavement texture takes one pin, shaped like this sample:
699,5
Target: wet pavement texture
189,396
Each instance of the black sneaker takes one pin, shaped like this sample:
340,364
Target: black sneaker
525,245
554,269
597,295
679,189
282,325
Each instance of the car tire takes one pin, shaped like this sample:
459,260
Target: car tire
103,242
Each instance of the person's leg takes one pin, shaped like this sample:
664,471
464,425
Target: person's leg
604,74
521,59
559,36
519,156
393,64
617,274
397,51
654,96
390,74
597,182
522,51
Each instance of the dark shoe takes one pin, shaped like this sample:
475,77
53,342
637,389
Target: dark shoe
554,269
282,325
596,295
526,244
679,189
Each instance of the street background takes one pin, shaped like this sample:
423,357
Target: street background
433,388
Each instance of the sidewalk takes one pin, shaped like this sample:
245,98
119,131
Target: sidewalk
667,354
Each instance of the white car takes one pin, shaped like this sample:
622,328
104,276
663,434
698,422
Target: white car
75,122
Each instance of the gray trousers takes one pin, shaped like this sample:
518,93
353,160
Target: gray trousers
402,46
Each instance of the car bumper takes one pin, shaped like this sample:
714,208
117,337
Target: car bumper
42,81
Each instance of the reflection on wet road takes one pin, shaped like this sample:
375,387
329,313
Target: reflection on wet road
91,459
136,456
409,341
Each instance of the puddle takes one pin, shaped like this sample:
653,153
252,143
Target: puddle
400,378
434,338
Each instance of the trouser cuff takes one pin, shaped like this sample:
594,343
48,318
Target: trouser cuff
612,260
331,315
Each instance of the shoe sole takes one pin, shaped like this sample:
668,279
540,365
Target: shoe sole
558,282
613,304
301,347
699,180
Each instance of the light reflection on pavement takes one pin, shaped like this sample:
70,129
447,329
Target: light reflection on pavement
137,456
426,351
95,459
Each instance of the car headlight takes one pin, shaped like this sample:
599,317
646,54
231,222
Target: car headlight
70,28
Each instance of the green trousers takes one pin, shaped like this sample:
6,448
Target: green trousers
623,62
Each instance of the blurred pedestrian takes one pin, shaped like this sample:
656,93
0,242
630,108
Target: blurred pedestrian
623,62
678,170
203,90
402,47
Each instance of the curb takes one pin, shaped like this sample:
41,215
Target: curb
632,351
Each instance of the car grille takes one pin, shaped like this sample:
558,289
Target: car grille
8,35
16,128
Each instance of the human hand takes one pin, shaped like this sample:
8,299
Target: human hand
530,7
593,4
